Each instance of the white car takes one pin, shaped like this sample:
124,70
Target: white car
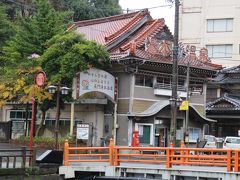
211,141
231,142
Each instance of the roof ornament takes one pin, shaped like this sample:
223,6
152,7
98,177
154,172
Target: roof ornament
147,43
191,52
133,48
165,48
203,56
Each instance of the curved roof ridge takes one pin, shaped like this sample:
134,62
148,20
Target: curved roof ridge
130,24
218,66
226,70
226,98
195,60
155,26
159,105
105,19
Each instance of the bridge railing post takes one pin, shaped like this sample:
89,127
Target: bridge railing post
111,152
229,160
168,157
24,157
236,161
116,155
182,153
66,153
33,158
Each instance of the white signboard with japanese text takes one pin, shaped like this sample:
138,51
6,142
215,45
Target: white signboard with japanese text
96,80
83,131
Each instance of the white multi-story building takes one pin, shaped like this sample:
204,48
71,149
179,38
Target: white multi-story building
214,24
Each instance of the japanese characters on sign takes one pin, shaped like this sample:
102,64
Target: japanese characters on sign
83,131
97,80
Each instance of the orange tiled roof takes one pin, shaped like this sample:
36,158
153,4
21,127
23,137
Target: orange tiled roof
105,30
136,34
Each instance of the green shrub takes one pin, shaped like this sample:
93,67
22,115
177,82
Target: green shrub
39,139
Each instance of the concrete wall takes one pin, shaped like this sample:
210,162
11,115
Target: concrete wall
122,131
123,85
193,25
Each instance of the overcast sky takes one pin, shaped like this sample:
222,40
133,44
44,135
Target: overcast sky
156,12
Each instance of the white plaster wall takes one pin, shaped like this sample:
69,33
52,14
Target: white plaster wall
193,25
93,114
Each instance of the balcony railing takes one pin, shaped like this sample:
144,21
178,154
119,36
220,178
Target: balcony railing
168,86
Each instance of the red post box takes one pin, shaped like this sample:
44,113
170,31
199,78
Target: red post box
135,139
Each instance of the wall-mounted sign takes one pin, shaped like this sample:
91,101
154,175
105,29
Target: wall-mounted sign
83,131
40,78
96,80
184,106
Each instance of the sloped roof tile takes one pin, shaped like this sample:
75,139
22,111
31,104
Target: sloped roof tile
131,42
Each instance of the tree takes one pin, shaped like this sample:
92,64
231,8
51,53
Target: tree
89,9
18,62
6,28
69,53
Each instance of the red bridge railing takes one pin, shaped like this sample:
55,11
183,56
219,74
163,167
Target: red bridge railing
168,156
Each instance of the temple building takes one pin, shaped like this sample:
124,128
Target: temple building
140,49
141,56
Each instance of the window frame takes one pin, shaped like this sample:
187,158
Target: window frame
191,139
144,80
226,55
214,30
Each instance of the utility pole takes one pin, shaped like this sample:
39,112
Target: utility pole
186,133
174,77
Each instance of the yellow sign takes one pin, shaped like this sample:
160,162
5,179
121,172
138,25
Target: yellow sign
184,106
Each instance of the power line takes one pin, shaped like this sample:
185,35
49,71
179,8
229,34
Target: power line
154,7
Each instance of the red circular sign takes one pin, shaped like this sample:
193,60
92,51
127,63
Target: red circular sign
40,78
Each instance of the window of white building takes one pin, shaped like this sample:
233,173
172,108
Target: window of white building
219,25
217,51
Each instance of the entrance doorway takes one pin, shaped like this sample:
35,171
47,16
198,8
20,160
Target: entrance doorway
145,133
161,136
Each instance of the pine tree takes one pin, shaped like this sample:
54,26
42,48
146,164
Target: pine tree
6,28
18,60
89,9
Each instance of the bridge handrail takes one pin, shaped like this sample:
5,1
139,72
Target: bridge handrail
167,156
28,157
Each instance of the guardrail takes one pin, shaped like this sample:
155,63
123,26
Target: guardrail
168,156
17,158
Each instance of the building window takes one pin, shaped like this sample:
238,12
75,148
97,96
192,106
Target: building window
19,114
219,25
194,134
164,80
144,80
219,51
139,80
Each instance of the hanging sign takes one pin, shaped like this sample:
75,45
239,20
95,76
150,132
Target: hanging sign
96,80
184,106
83,131
40,78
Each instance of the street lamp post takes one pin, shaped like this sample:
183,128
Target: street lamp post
174,77
59,90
